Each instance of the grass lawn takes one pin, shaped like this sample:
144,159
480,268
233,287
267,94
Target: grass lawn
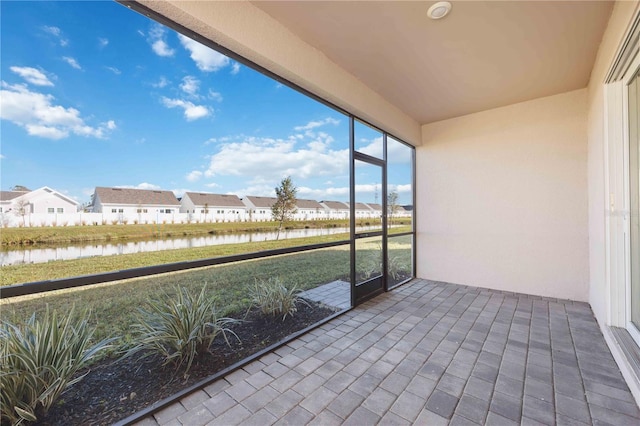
17,274
71,234
76,234
113,305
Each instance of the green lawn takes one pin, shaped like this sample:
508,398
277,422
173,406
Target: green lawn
113,305
73,234
17,274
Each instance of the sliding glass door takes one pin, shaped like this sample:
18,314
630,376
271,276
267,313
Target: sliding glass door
633,91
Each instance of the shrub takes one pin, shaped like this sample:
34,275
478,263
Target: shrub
178,328
272,297
39,360
399,265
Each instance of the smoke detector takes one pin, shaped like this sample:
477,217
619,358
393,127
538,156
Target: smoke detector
439,10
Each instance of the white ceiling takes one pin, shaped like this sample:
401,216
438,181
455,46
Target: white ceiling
483,55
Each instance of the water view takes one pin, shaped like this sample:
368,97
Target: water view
68,252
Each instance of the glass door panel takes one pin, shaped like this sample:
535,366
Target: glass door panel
369,243
368,192
399,187
399,259
368,259
634,189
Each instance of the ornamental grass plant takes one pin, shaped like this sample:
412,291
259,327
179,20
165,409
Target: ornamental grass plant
40,359
273,298
178,328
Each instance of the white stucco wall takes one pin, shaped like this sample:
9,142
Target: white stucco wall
502,198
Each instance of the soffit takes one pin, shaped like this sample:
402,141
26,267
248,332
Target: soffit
483,55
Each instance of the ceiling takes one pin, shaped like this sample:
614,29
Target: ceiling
483,55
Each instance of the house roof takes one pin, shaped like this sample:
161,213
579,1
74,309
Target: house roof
262,201
361,206
374,206
10,195
214,200
335,205
136,196
308,204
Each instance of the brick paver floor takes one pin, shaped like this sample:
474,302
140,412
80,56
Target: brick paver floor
428,353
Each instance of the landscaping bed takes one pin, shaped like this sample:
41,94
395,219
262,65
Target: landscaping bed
114,390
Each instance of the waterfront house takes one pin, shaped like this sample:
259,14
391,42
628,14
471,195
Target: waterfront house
309,210
335,209
42,206
259,208
207,207
128,205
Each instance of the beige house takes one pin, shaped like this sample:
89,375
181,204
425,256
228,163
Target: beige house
259,208
309,210
213,207
42,206
523,117
127,205
336,209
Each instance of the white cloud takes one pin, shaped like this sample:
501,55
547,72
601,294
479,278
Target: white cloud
271,159
235,68
52,30
190,85
323,193
143,185
161,48
206,59
114,70
191,111
56,32
103,42
313,124
163,82
216,96
71,61
37,114
402,188
2,156
212,185
156,38
194,176
32,75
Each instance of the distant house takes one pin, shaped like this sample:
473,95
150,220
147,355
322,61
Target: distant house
44,203
336,209
218,207
41,200
129,204
259,208
377,209
309,210
7,199
363,211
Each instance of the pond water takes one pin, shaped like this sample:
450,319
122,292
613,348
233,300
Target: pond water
42,255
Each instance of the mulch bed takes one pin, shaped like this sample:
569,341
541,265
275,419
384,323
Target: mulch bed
113,391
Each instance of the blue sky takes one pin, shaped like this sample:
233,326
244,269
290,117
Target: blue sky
94,94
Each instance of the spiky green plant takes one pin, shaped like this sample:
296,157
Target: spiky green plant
272,297
399,265
178,328
40,360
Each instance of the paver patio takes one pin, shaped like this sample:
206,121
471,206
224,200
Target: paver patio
428,353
